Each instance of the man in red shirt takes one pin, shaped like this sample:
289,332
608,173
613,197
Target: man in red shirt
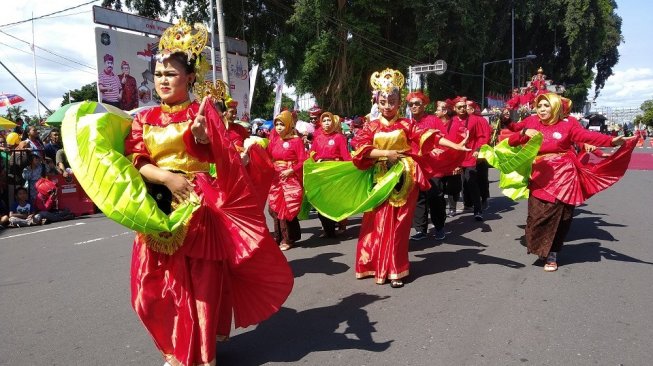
432,200
478,136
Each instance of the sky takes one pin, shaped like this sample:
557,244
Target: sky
71,34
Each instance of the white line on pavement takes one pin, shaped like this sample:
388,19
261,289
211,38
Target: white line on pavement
41,231
98,239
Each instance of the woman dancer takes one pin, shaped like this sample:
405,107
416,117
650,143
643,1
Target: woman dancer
558,181
220,264
382,249
286,193
329,144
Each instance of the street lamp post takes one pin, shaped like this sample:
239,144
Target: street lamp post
511,60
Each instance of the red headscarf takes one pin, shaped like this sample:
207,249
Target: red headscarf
419,95
459,99
477,109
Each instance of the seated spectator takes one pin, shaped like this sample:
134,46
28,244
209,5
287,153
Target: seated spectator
47,203
32,173
54,144
22,212
32,141
62,163
50,168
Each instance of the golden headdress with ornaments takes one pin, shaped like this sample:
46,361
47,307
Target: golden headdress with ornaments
387,81
217,91
181,38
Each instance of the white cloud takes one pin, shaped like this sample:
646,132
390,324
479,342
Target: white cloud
627,88
69,34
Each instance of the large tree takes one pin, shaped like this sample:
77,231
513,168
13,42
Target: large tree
330,47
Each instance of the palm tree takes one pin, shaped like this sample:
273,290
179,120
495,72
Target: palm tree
15,112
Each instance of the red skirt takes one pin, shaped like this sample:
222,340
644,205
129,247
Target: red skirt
224,270
382,249
286,195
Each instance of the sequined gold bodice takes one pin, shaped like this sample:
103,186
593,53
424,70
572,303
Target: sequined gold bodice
391,140
167,149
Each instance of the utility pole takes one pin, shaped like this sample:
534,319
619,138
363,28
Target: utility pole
223,45
36,79
212,27
512,57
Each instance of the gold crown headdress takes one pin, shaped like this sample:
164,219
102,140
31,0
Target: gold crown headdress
207,88
385,81
180,38
540,70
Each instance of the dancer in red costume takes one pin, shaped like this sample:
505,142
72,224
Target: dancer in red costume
558,181
222,264
452,181
329,144
432,200
254,157
382,249
479,135
285,197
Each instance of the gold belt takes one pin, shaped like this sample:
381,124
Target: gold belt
284,163
549,155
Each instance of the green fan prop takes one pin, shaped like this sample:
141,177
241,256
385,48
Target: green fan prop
337,189
93,136
514,163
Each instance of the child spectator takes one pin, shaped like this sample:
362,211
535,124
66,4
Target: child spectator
22,212
47,203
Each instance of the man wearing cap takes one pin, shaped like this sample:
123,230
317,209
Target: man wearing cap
109,83
432,200
477,137
129,98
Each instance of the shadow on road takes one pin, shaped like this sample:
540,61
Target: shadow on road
438,262
592,252
289,335
321,263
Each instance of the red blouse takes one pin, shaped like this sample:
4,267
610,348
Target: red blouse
479,135
289,150
332,146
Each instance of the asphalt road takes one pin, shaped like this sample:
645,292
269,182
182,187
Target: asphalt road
473,299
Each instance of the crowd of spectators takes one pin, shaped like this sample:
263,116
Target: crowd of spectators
28,163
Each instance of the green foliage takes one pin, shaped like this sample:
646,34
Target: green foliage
14,112
647,113
86,92
330,48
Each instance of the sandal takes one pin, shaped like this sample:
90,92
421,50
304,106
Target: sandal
396,283
551,267
285,246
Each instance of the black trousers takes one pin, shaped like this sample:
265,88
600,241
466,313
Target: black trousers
471,192
482,169
328,225
433,202
452,185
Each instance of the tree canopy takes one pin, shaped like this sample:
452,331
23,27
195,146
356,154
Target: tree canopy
86,92
647,113
330,48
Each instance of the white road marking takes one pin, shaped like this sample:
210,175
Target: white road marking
98,239
41,231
